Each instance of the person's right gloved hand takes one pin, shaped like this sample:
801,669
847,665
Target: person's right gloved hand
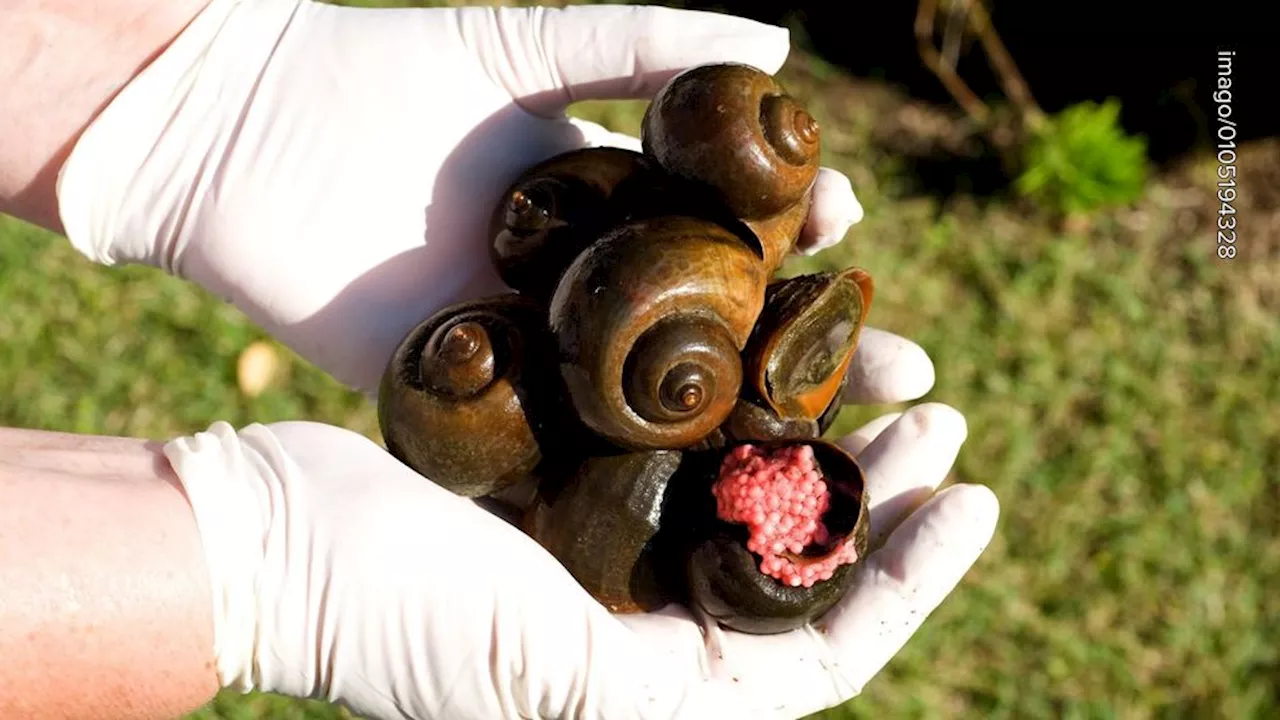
332,171
339,573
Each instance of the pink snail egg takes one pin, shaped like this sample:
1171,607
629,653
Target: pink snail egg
780,497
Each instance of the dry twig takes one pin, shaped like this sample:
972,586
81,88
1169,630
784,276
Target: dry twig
972,16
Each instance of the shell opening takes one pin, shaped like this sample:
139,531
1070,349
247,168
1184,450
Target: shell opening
782,498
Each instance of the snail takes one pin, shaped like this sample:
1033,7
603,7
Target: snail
734,129
797,360
799,353
466,395
647,404
556,208
651,320
601,525
777,235
760,570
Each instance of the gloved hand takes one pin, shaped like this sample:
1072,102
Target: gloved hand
339,573
331,171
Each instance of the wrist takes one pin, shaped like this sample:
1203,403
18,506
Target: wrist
218,479
268,577
142,168
62,62
101,580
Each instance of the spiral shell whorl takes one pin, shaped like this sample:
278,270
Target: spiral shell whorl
456,402
679,367
458,360
674,294
790,129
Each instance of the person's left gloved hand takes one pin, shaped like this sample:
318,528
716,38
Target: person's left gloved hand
332,171
339,573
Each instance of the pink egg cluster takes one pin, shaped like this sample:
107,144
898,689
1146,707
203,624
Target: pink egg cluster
780,497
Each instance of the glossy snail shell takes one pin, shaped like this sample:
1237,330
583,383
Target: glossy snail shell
651,321
556,208
777,234
593,406
732,127
724,578
602,523
465,394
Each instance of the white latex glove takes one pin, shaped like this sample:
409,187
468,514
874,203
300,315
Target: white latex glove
339,573
331,171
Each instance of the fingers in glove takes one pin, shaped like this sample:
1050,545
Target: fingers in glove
596,135
903,582
887,368
858,440
907,462
550,58
817,667
835,210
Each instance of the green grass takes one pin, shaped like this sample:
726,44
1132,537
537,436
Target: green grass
1120,387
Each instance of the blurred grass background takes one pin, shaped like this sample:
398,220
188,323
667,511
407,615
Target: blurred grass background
1119,381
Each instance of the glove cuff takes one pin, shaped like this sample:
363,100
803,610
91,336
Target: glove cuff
142,167
223,475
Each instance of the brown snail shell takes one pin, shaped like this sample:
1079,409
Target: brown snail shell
732,127
651,320
778,234
724,578
751,420
465,395
601,525
832,413
799,353
556,208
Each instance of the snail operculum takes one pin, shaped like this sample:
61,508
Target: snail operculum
467,392
601,525
791,131
789,528
557,208
801,348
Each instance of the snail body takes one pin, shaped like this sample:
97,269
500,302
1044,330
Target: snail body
651,320
465,395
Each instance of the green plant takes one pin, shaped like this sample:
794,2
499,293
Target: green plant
1081,159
